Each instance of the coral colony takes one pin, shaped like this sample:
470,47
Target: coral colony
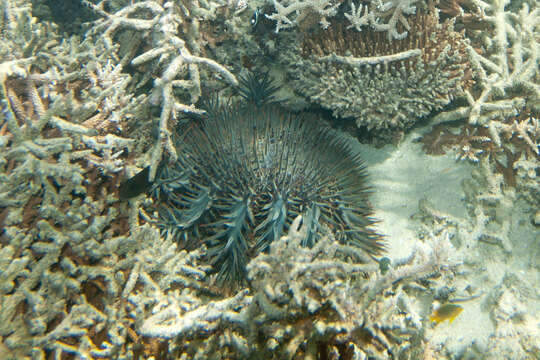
383,83
157,201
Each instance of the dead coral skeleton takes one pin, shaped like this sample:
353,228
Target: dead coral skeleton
384,16
395,12
305,302
503,105
290,12
508,60
157,24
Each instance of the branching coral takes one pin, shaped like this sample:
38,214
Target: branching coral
308,303
504,104
382,16
81,278
69,259
155,27
506,66
59,217
509,149
300,10
376,12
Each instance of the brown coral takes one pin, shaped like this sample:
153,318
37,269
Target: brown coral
515,139
381,83
466,13
425,33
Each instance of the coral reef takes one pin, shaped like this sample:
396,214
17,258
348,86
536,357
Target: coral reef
84,275
173,63
71,254
500,260
501,111
381,83
301,11
60,147
514,154
506,66
382,16
246,170
308,303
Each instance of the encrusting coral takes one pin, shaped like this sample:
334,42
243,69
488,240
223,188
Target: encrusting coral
382,83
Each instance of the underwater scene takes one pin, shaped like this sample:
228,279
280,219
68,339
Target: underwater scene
270,179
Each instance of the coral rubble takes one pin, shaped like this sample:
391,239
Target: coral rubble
500,260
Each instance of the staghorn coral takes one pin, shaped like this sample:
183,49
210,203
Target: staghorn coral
70,257
382,84
375,13
245,171
503,105
65,243
75,270
81,278
514,153
382,16
81,290
301,11
154,26
307,303
506,66
466,13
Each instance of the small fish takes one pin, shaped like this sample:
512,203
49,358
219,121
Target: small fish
255,17
135,185
445,312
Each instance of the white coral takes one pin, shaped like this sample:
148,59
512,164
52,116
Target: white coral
509,60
